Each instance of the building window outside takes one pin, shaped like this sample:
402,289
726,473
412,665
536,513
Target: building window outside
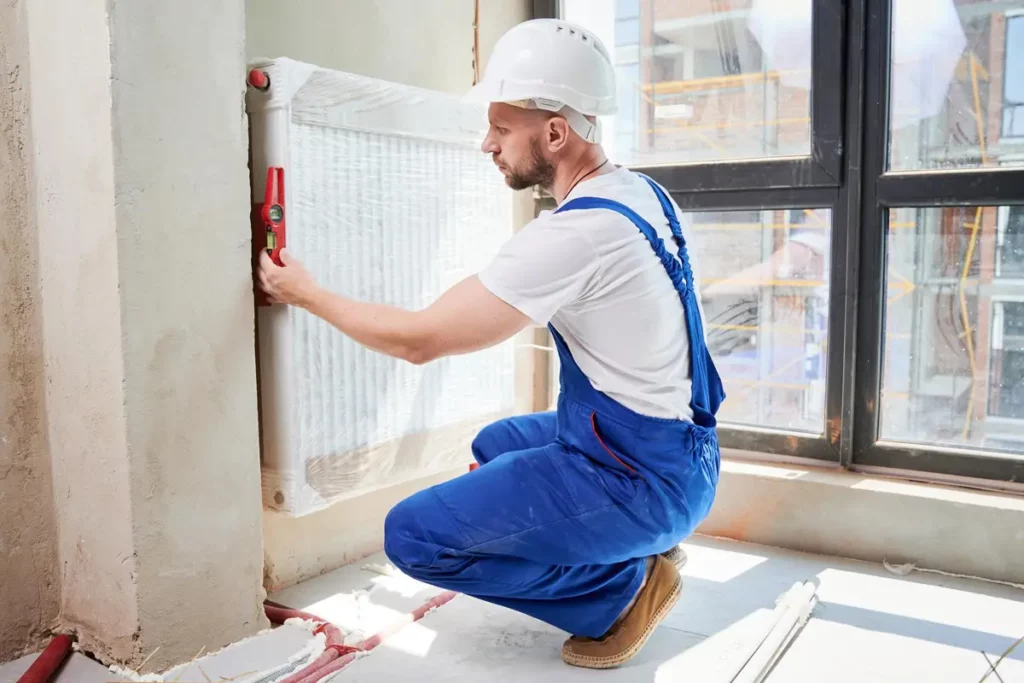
627,23
1006,385
1013,78
1010,243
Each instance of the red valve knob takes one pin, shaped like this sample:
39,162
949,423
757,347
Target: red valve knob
259,79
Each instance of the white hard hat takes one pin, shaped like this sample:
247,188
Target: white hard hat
552,65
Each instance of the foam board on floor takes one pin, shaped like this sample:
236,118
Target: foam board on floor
262,652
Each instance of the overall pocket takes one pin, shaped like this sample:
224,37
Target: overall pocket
605,453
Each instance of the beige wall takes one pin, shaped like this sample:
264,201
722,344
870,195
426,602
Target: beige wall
426,43
29,582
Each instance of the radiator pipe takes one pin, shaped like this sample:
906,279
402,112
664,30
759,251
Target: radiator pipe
45,668
278,614
339,655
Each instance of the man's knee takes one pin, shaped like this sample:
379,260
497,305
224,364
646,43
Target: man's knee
489,442
415,531
401,534
513,434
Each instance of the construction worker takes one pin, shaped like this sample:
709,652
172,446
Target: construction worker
574,516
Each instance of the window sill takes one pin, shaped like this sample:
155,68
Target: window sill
871,518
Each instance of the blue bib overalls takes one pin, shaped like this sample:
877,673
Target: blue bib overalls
559,521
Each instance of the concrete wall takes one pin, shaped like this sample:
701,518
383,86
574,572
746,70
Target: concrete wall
29,582
185,280
77,237
127,330
427,43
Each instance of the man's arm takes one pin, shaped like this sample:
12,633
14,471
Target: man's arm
466,318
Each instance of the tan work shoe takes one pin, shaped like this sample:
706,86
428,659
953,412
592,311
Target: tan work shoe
676,556
627,637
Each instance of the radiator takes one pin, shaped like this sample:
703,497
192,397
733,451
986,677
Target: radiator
388,199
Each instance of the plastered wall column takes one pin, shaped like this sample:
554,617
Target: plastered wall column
142,201
29,586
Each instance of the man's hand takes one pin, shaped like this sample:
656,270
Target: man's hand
291,284
466,318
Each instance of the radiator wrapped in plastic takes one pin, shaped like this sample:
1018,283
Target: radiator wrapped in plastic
388,200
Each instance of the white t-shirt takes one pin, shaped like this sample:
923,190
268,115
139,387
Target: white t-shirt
594,276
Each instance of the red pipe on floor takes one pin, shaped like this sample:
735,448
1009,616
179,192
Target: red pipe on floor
46,665
340,655
336,647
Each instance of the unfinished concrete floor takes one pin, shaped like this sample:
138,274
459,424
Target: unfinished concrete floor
870,625
78,669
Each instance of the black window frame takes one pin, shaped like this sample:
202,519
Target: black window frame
974,187
847,173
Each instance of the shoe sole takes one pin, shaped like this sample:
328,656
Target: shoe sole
613,661
677,557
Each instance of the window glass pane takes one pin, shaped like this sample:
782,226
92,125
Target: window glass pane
764,288
627,8
714,81
1013,78
954,329
627,32
1010,242
957,84
627,79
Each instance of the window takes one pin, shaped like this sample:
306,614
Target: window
1006,374
627,23
620,133
718,81
1013,78
627,32
764,288
1010,243
941,362
947,57
855,203
627,8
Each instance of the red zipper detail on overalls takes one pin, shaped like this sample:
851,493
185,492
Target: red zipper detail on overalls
593,424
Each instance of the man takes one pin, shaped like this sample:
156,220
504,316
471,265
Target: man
572,514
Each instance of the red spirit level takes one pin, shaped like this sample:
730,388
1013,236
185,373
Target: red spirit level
273,213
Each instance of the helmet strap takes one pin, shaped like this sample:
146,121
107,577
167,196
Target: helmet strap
591,132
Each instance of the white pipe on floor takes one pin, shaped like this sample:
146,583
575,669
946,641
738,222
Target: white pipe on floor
799,603
751,646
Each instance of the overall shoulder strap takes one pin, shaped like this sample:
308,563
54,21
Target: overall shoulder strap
706,384
678,274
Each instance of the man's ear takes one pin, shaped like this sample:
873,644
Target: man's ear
557,133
